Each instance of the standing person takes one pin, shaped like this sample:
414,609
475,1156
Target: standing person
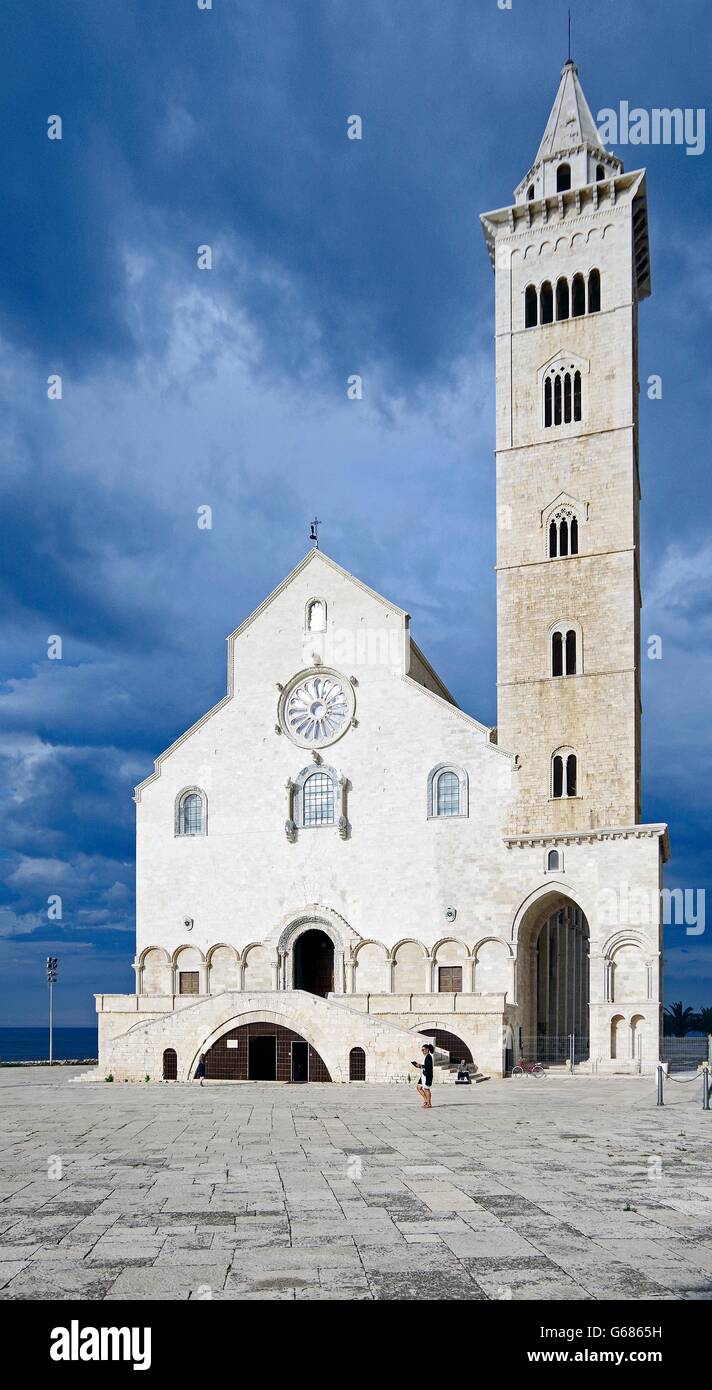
426,1076
200,1069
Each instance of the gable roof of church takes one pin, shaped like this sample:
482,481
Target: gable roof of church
310,557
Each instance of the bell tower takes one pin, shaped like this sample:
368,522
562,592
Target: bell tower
571,264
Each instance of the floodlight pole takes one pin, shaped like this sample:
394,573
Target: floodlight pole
51,979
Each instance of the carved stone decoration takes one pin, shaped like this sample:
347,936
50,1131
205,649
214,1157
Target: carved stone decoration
290,827
450,914
344,826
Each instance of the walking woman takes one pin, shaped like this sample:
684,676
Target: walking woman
200,1069
426,1076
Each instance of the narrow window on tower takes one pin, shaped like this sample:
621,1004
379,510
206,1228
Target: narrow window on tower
594,292
571,652
574,536
562,299
530,192
557,779
557,664
547,403
600,172
571,775
577,395
567,398
564,537
530,307
546,303
563,178
557,399
553,541
578,297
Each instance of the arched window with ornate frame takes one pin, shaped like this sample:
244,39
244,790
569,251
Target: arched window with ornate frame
562,521
191,812
317,798
448,792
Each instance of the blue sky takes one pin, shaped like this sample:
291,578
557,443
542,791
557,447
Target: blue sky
181,387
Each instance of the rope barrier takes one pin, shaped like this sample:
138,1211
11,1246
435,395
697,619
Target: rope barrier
704,1073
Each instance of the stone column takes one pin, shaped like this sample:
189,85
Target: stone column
350,968
468,974
203,978
274,967
429,973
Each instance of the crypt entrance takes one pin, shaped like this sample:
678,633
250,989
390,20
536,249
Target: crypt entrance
264,1052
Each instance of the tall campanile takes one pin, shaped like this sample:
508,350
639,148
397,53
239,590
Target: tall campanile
571,264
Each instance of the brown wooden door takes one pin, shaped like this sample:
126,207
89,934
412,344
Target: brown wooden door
450,979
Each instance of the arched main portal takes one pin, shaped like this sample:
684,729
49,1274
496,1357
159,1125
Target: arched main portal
314,962
553,980
263,1052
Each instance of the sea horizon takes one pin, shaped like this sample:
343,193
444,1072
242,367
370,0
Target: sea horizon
31,1044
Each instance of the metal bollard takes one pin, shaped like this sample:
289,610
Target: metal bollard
661,1075
705,1085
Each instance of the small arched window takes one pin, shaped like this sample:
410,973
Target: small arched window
318,799
530,307
578,297
571,775
562,298
563,774
447,792
316,615
191,813
600,172
546,303
577,395
552,859
557,399
563,178
548,418
557,654
564,651
594,292
574,536
530,192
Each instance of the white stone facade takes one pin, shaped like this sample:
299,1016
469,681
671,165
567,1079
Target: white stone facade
445,848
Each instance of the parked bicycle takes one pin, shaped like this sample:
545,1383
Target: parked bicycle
528,1069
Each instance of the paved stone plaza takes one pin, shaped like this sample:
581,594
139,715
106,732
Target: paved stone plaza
517,1189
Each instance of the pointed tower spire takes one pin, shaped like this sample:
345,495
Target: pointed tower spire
571,153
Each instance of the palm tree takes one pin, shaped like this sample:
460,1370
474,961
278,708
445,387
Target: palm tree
704,1020
677,1022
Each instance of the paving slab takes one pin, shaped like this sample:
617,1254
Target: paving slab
252,1192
